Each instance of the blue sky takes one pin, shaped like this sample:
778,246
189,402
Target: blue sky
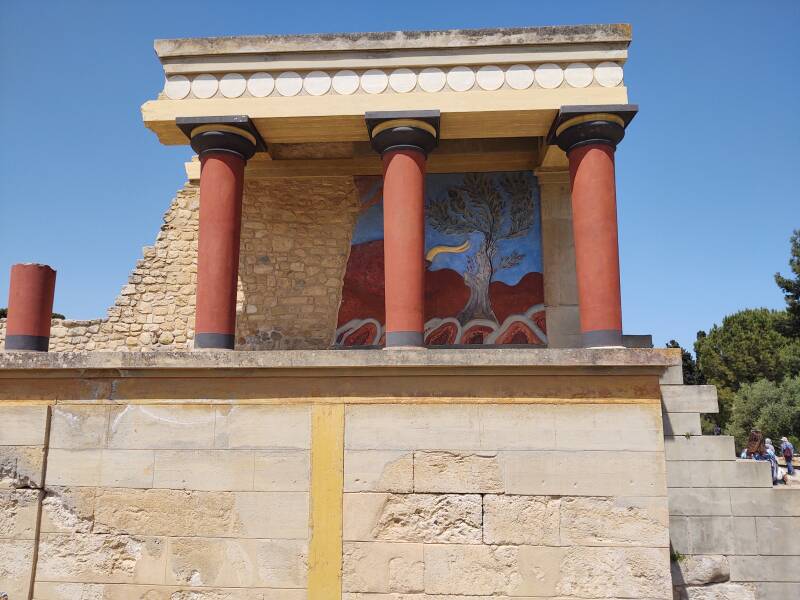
706,175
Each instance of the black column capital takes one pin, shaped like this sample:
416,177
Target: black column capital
403,129
234,134
577,126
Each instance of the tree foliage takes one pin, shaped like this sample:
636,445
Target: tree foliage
791,286
771,407
747,346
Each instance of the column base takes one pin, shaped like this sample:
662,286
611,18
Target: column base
602,338
404,338
27,343
214,341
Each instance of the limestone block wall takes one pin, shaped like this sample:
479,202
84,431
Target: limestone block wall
734,535
143,501
504,501
294,247
23,434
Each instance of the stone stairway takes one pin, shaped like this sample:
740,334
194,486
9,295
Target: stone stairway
733,535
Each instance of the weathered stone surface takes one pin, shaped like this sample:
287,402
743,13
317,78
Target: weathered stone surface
66,510
281,470
16,560
623,572
22,425
274,427
21,467
91,558
89,591
531,520
479,570
93,467
214,562
382,567
18,510
614,522
599,473
178,513
722,591
430,518
378,471
457,472
700,570
79,427
210,470
161,427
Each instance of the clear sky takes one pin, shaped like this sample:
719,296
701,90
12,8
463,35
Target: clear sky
706,174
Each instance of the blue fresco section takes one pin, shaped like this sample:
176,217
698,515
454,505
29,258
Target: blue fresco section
370,227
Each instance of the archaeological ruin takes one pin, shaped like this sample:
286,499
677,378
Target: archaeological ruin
376,351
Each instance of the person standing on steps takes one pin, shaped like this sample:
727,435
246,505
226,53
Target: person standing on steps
787,449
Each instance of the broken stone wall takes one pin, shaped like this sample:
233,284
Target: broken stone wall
294,247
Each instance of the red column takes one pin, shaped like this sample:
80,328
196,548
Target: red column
221,182
404,245
30,307
594,223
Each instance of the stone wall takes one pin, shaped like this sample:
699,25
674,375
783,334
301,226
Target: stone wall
294,246
733,534
168,478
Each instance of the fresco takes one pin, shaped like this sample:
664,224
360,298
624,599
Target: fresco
483,256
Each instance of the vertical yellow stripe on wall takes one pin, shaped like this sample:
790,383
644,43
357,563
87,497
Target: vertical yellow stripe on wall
327,483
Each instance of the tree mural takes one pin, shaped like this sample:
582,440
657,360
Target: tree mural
496,211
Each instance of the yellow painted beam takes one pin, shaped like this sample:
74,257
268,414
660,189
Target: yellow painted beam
327,484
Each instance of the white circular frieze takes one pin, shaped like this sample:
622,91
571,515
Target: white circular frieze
608,74
460,79
204,86
374,81
232,85
548,75
345,82
578,75
289,83
432,79
177,87
402,80
490,77
260,85
317,83
519,77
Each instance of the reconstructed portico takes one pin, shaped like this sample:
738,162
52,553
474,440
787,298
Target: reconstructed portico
549,100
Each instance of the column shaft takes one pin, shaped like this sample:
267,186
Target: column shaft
594,221
404,246
221,182
30,307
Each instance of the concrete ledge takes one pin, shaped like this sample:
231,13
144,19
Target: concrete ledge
574,358
779,501
682,423
700,448
394,40
689,398
719,474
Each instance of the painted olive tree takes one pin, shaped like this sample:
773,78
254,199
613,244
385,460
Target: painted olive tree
498,208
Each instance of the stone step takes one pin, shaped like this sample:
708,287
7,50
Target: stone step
681,423
699,447
719,474
777,501
689,398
